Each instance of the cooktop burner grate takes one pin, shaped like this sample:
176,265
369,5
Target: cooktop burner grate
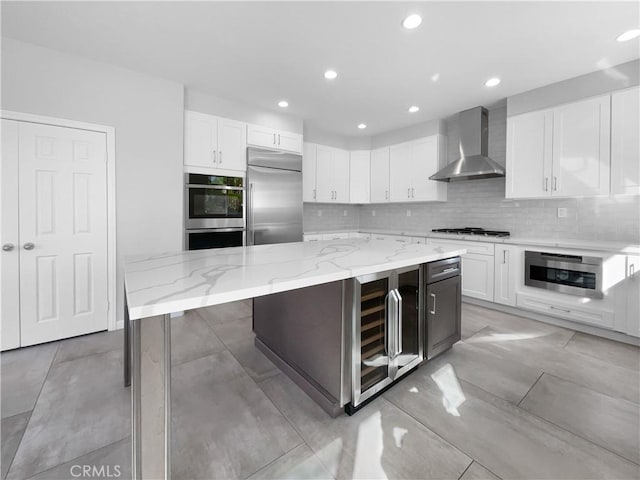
472,231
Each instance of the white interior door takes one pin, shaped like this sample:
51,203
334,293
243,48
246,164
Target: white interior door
10,254
63,232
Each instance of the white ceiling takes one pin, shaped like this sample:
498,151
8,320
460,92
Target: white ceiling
262,52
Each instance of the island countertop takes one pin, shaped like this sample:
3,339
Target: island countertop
167,283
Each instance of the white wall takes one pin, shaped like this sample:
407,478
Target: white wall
147,114
205,103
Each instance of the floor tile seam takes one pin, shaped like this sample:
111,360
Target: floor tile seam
586,387
438,435
273,461
530,388
35,404
62,362
200,357
15,415
78,457
26,424
591,442
564,347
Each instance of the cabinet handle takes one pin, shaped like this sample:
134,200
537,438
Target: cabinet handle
546,184
560,309
408,193
555,184
386,324
504,257
314,193
215,156
220,156
399,324
386,194
632,269
274,138
433,312
278,139
413,193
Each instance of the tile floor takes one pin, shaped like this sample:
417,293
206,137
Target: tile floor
515,399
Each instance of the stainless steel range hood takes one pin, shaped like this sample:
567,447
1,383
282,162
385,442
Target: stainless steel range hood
473,163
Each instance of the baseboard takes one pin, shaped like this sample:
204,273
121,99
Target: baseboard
559,322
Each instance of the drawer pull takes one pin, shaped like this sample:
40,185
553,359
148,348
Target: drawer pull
433,312
560,309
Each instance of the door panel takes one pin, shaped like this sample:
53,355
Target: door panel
324,174
340,175
309,172
201,139
380,175
10,259
63,213
400,175
625,148
232,145
424,161
409,288
443,315
275,204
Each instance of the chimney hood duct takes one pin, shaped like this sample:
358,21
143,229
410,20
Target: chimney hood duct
473,163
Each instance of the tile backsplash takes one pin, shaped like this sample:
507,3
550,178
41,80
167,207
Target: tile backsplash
481,203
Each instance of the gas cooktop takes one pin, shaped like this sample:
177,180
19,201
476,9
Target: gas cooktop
472,231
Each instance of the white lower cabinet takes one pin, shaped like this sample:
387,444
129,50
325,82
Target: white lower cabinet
632,296
477,276
505,268
570,311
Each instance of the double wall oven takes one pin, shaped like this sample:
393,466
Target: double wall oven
215,211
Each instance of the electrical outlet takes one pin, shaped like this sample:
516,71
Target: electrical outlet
319,213
562,212
408,213
373,213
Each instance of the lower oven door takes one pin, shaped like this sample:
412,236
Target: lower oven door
581,276
215,238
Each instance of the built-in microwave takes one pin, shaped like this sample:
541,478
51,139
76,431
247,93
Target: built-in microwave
213,201
572,274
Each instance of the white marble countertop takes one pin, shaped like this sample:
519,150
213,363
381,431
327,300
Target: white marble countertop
163,284
597,245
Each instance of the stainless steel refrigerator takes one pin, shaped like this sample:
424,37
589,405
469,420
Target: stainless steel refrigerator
274,197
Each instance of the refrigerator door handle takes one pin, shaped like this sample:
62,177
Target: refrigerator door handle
399,324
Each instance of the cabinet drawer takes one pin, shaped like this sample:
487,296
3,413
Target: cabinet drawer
443,269
479,248
592,316
395,238
335,236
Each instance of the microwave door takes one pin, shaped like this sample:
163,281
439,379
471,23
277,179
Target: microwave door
275,205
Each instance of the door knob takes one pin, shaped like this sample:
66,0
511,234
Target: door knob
7,247
28,246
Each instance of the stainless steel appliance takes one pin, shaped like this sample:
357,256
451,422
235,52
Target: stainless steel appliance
572,274
474,162
274,192
215,211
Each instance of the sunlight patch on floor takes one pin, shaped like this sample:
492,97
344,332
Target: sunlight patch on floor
452,394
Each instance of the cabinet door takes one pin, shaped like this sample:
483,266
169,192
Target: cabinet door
529,149
505,281
359,172
291,142
309,172
9,230
232,144
625,144
443,305
477,276
408,335
581,148
424,162
324,174
400,174
379,175
261,136
200,139
633,296
340,176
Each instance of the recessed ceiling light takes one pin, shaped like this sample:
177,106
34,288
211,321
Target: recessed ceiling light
412,21
629,35
492,82
362,126
283,104
330,74
413,109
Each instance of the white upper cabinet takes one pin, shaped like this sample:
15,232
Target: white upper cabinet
359,176
625,142
560,152
214,142
529,154
260,136
332,175
410,165
379,173
309,172
581,148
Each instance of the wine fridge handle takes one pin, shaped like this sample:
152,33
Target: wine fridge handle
399,324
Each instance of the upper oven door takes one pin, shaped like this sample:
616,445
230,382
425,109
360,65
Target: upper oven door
570,274
214,202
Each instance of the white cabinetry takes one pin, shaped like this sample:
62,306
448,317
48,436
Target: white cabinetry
411,164
625,142
309,172
260,136
563,152
379,175
477,267
332,175
548,305
214,142
359,176
632,296
505,267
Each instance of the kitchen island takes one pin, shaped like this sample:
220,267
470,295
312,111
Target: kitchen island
157,286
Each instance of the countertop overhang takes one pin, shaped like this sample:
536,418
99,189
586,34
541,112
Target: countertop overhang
173,282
